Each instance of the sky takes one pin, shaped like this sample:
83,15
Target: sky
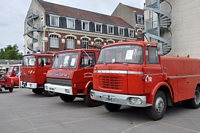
13,13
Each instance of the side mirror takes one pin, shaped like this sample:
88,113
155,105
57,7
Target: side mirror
160,49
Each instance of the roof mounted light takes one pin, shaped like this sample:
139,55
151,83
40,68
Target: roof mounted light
38,51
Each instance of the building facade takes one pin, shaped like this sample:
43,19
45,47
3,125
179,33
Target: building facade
184,25
52,27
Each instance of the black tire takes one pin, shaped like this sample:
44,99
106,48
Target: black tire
90,102
37,91
194,103
50,94
185,104
112,107
10,89
67,98
157,110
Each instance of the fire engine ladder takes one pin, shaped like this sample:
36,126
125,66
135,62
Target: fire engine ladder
159,22
31,29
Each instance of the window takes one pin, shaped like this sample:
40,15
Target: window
71,23
85,43
121,31
98,42
131,32
140,19
85,25
98,27
53,41
54,20
88,59
152,55
43,61
70,42
110,29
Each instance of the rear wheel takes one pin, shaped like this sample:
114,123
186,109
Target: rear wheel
157,111
112,107
67,98
50,93
90,102
195,102
37,91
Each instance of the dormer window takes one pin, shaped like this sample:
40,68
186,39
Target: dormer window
110,29
121,31
98,27
85,25
131,32
140,19
71,23
54,20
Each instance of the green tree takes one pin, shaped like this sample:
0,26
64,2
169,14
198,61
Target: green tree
11,53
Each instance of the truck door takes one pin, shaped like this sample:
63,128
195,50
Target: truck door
153,73
85,71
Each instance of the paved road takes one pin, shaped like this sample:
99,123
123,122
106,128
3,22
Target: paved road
24,112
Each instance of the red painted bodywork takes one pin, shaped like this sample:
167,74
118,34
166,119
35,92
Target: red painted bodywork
6,83
80,77
180,75
13,72
37,73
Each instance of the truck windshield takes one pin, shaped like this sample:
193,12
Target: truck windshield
121,54
66,60
28,61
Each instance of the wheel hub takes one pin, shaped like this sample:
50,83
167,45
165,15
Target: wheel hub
159,105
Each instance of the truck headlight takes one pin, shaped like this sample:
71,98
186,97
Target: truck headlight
135,101
92,94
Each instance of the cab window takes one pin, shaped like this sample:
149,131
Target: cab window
87,59
152,55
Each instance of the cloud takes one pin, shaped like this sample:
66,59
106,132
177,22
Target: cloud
13,14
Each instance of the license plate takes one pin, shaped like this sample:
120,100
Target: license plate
51,89
109,98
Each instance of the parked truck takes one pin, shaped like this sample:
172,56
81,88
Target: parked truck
135,74
71,75
13,73
33,72
6,83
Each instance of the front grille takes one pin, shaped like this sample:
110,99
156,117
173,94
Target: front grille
59,81
111,82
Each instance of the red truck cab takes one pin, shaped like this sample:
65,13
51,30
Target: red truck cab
71,74
33,72
134,74
13,73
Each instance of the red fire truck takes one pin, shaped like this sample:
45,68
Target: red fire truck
13,73
6,83
135,74
33,72
71,75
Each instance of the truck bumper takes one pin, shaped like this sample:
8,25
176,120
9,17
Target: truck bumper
130,100
58,89
28,85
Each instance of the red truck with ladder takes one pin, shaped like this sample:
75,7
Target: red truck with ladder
135,74
33,72
71,75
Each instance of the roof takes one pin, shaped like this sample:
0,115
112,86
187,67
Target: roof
139,11
62,10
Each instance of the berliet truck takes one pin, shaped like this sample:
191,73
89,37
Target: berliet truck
33,72
135,74
71,75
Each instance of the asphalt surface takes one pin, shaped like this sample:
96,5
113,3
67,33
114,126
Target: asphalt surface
24,112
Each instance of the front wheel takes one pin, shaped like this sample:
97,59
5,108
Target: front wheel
50,93
157,110
112,107
67,98
90,102
10,89
195,102
37,91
